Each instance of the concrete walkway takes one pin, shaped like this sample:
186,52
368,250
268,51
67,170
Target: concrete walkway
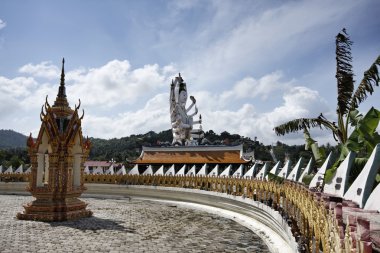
125,225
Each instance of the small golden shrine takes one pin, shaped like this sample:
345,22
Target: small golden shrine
57,158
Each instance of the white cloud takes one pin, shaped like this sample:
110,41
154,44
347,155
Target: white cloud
247,121
37,96
2,24
232,121
251,88
207,100
18,87
117,83
299,102
112,84
8,106
26,93
13,92
44,69
154,116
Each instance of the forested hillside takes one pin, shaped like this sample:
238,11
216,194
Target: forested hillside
126,149
12,139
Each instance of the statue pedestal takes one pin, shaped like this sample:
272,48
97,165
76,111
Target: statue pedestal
49,208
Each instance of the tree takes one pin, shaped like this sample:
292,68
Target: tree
348,102
225,135
15,161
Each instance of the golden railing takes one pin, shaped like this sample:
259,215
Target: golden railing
314,219
14,177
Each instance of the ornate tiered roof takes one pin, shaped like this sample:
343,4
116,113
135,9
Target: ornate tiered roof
192,155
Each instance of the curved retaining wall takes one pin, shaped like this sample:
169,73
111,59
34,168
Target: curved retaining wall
260,218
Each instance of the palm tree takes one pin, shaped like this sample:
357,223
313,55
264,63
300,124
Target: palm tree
348,99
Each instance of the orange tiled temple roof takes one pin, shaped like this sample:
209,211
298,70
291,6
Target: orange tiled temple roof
192,155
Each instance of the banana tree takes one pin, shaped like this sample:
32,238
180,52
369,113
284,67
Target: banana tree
348,99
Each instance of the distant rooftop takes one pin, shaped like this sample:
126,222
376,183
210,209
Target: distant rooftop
192,155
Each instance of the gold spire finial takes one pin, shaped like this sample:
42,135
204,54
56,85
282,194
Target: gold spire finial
62,89
61,99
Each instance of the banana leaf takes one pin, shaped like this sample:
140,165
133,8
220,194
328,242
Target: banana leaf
363,140
318,153
365,135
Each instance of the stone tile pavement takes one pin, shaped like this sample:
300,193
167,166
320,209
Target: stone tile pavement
125,225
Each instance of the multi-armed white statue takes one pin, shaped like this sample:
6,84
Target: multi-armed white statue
182,122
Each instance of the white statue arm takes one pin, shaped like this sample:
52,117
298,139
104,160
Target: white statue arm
198,121
195,112
193,101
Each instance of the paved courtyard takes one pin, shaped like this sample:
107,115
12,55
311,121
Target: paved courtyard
124,225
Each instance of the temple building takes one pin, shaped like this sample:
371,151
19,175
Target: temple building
193,160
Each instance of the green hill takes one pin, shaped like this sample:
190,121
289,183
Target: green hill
13,144
12,139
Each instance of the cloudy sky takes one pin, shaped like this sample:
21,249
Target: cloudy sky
250,64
